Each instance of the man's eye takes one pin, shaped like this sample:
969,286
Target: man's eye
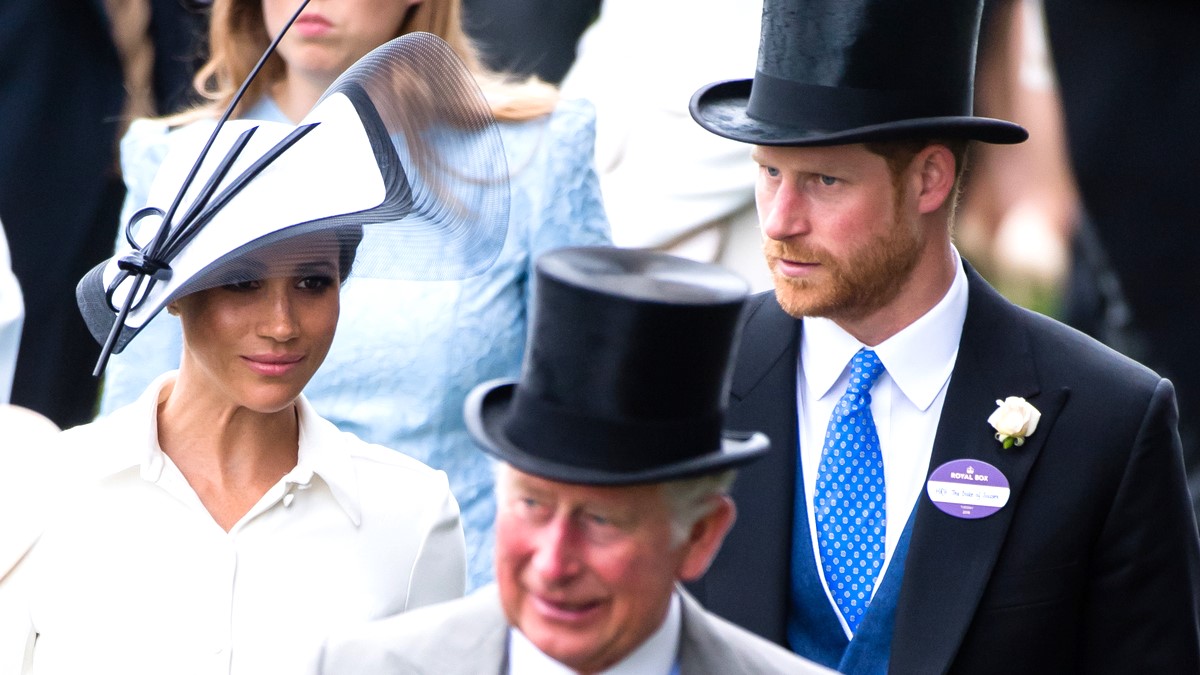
599,520
531,508
771,171
828,180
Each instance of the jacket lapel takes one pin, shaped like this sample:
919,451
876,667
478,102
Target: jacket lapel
701,648
754,561
950,559
470,636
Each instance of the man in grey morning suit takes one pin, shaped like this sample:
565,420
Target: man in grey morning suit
611,488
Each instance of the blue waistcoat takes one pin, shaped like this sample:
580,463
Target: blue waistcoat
813,628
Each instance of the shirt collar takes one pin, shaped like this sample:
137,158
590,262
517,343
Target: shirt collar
323,448
324,451
657,654
919,358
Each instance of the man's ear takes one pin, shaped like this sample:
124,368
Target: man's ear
934,172
705,537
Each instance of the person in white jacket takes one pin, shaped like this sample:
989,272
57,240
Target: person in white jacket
667,184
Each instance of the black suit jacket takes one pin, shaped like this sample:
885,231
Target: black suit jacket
1092,566
61,94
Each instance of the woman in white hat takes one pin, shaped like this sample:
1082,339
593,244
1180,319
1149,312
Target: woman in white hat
408,353
218,524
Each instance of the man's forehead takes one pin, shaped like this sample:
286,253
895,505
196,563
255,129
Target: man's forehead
515,478
814,158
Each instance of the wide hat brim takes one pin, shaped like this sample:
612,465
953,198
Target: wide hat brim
420,192
721,108
489,407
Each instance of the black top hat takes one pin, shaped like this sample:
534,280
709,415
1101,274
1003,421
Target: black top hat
833,72
626,372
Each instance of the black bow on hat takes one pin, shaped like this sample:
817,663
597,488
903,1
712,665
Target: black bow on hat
626,372
834,72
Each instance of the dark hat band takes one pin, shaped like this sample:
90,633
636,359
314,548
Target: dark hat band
555,433
817,107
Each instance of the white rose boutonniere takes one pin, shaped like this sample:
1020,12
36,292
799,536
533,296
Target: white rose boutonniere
1014,419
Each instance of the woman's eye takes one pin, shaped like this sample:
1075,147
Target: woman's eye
242,286
315,282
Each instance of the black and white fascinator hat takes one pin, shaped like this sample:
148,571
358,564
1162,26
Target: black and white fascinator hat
398,170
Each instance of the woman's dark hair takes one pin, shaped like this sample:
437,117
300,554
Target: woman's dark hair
348,240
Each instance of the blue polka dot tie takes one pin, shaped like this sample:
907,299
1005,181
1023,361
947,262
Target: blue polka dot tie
849,498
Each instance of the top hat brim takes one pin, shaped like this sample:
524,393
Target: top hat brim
489,407
721,108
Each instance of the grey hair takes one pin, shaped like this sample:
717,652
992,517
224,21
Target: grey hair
688,499
691,499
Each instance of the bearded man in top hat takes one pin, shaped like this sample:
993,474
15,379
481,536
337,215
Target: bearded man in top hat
611,487
955,484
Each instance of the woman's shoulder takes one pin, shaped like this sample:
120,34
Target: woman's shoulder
382,473
574,113
382,458
571,120
370,459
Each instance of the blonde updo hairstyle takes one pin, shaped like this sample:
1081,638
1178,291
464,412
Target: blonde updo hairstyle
238,37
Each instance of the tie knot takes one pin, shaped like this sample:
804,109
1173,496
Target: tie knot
865,367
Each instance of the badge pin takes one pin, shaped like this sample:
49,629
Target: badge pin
968,488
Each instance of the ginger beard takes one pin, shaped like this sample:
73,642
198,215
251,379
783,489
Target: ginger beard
853,286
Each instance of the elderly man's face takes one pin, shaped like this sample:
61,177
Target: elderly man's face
586,573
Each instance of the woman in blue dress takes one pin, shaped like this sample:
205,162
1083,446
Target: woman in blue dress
408,352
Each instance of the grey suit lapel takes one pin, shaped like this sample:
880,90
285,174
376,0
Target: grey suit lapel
951,559
474,643
701,649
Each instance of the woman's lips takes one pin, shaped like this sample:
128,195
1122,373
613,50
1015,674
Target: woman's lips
272,365
312,25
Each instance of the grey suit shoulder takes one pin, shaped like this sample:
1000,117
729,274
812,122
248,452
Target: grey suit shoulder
469,636
710,644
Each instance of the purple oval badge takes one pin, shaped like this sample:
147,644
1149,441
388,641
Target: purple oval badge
968,488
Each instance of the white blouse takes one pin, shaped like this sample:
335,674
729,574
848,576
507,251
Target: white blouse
132,575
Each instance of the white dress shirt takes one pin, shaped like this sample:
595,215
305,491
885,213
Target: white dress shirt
12,318
656,656
906,402
132,575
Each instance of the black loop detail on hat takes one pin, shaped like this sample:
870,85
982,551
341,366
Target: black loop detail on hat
557,434
137,262
814,106
137,218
